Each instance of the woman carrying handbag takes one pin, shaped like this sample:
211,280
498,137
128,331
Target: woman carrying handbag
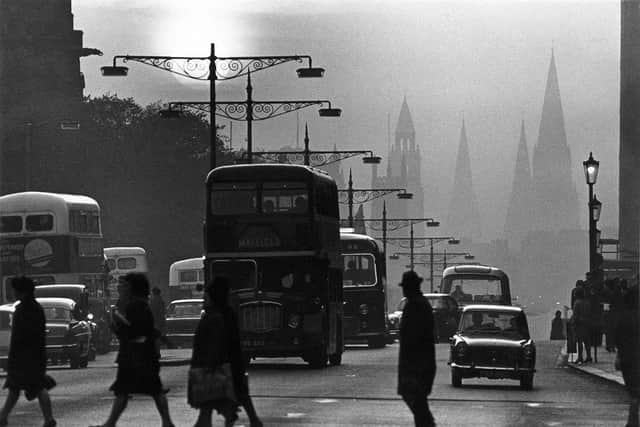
218,377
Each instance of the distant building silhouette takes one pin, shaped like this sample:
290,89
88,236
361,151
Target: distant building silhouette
40,86
404,163
520,209
629,173
463,219
555,198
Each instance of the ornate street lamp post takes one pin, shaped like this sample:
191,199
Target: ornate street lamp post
401,241
591,167
313,157
251,110
363,195
212,68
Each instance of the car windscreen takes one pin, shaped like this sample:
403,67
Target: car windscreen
185,309
57,314
477,290
511,324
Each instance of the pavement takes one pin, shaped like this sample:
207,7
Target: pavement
603,368
168,357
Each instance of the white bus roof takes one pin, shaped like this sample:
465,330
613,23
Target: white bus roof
188,263
35,200
124,250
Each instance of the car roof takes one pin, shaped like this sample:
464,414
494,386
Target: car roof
57,302
488,307
438,296
185,301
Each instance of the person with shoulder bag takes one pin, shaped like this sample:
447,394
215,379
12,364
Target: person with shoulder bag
218,378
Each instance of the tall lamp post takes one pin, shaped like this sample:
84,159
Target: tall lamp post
251,110
402,241
385,224
351,196
212,68
314,157
591,167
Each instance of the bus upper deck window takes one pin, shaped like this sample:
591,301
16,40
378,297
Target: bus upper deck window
234,198
285,197
128,263
10,224
40,222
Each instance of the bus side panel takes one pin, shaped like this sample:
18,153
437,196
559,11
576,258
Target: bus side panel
36,255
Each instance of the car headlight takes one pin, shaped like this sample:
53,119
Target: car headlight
294,321
528,351
461,350
364,309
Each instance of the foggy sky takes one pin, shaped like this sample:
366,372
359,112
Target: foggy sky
485,61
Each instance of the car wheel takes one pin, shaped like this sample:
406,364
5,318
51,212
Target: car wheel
456,378
336,359
319,358
74,361
526,381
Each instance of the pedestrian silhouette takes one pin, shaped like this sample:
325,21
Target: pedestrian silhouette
26,365
628,357
557,327
138,356
217,341
158,309
417,364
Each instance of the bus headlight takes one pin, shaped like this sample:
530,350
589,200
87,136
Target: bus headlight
294,321
364,309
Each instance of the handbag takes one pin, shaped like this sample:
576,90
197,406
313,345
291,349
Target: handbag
206,385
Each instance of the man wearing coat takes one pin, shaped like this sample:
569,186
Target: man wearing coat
417,361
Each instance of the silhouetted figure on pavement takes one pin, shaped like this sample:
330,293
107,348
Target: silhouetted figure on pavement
628,358
557,327
159,311
417,362
27,363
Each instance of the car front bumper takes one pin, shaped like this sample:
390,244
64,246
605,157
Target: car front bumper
493,372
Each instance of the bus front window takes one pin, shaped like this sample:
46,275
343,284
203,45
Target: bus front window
359,270
241,273
233,198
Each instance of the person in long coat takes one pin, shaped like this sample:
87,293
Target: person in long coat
138,356
217,341
417,360
557,327
628,357
27,362
581,323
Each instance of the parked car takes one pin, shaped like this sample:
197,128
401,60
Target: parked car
183,316
68,333
493,342
445,316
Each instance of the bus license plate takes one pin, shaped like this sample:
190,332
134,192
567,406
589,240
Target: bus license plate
252,343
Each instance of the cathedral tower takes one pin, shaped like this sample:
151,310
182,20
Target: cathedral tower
464,219
519,213
555,198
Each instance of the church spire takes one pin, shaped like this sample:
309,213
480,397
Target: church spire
519,213
555,193
464,217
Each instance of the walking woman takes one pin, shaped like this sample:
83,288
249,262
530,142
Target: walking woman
581,321
27,357
138,357
216,341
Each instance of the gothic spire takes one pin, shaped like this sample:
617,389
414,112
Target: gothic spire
405,122
519,213
464,217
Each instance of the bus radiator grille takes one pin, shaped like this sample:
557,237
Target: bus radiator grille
260,317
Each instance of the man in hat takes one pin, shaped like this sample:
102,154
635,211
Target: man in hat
417,360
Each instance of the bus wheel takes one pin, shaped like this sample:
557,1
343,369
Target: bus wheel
336,359
378,341
318,359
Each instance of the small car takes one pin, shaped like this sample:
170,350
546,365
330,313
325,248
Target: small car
68,338
493,342
445,316
183,316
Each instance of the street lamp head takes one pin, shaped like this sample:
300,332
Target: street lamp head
114,71
330,112
405,196
433,224
372,160
454,241
596,208
591,167
310,72
170,114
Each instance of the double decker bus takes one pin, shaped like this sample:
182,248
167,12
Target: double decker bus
273,230
186,279
53,238
122,260
365,283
